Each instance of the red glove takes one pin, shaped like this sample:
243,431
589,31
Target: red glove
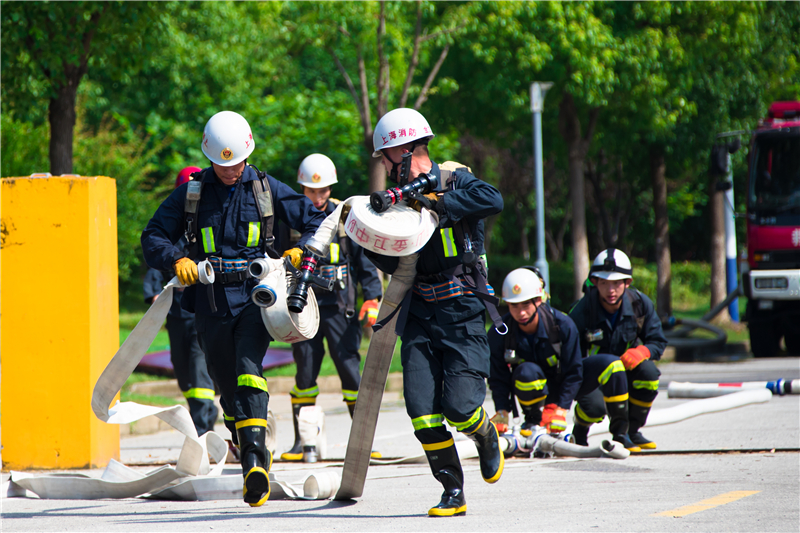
370,310
633,357
554,418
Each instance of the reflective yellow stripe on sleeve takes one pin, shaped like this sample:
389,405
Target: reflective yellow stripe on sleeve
449,242
334,253
253,233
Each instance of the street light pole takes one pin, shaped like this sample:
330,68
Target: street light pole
538,91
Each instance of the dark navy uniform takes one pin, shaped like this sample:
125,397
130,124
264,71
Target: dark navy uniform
609,336
445,351
542,373
347,265
233,337
188,360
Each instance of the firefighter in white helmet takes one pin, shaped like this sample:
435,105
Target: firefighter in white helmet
616,319
444,347
538,361
348,267
228,221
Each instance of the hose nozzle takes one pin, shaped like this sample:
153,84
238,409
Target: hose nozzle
298,299
383,200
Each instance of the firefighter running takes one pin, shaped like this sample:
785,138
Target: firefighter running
445,352
347,266
228,219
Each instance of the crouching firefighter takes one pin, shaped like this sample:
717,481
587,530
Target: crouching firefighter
227,214
538,360
348,267
616,320
445,351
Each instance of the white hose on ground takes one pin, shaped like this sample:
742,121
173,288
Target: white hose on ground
679,389
670,415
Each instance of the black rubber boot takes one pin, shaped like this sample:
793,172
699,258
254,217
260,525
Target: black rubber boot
374,454
488,443
618,424
580,433
295,454
446,469
637,417
533,418
256,463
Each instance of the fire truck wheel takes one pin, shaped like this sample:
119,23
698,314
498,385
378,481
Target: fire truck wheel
792,343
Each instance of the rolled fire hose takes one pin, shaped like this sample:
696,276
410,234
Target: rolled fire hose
282,324
397,232
192,477
693,408
678,389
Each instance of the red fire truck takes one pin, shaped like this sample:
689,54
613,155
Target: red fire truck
772,284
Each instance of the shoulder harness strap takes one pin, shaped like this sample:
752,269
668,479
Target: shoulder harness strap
638,310
263,197
193,193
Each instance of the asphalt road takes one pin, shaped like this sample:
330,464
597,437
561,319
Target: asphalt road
704,478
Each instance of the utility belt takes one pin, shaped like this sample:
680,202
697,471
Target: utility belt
446,290
337,273
229,270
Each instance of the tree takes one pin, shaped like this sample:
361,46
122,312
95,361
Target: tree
372,41
48,47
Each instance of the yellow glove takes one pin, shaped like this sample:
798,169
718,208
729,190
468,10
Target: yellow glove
186,270
369,310
295,255
432,196
500,419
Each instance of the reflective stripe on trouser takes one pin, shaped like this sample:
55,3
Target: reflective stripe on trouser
444,367
643,383
530,384
643,386
603,377
343,337
191,371
235,347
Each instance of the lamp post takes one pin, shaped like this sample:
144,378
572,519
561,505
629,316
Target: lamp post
538,91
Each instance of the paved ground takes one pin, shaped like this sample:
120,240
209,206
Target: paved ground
691,488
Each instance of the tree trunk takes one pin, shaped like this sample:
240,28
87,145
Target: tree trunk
718,271
577,148
658,170
62,125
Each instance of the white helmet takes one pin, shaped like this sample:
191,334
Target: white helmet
398,127
611,264
317,171
227,139
522,285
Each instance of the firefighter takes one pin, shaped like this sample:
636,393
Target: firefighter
230,224
538,360
347,266
614,318
445,351
188,360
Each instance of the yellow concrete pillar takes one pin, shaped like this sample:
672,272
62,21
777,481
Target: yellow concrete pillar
60,320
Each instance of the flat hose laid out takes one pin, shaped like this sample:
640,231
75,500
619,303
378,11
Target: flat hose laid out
373,382
192,477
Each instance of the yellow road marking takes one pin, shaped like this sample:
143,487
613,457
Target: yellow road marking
710,503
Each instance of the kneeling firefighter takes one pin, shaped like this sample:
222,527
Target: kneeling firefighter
538,360
348,267
227,214
445,351
617,321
